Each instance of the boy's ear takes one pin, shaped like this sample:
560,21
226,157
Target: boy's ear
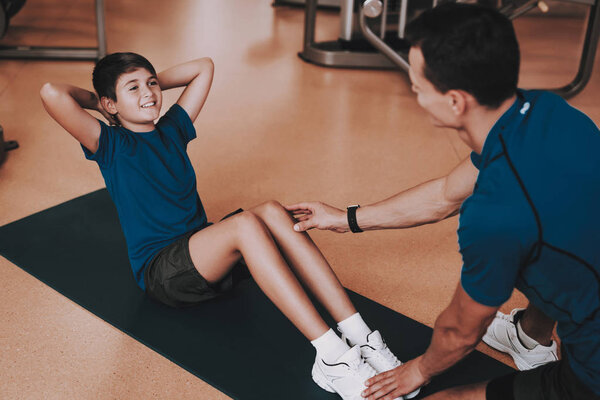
108,105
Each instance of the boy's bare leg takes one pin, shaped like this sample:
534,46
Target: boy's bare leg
537,325
307,260
215,249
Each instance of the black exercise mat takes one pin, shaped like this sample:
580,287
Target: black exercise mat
240,343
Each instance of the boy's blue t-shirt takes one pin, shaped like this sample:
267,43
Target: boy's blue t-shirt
533,221
152,183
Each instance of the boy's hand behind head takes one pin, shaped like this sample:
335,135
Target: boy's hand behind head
112,120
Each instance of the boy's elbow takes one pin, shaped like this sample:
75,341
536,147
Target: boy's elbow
48,91
206,63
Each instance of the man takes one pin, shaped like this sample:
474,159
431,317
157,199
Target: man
529,218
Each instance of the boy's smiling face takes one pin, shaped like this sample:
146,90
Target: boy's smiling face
139,99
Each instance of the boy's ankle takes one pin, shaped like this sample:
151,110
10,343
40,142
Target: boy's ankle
354,329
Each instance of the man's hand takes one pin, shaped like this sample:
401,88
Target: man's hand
319,215
396,382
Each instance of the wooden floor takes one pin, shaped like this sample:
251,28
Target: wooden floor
274,127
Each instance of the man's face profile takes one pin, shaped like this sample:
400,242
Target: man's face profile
437,105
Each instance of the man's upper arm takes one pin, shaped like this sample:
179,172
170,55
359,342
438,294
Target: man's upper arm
492,253
471,316
65,110
460,182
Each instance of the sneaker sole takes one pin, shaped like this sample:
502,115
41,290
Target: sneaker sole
521,364
321,382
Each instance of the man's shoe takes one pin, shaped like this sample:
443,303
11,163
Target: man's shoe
380,357
346,376
502,336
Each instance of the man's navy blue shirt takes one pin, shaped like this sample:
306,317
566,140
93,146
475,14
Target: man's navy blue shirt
152,182
533,221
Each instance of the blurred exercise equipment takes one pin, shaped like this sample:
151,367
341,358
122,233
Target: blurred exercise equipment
9,7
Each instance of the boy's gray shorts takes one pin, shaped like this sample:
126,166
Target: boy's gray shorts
172,279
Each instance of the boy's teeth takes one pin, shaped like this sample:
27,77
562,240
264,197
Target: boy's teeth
147,105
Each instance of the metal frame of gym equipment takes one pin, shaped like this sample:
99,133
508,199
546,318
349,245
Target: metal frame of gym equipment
331,53
321,3
318,53
63,53
3,21
5,146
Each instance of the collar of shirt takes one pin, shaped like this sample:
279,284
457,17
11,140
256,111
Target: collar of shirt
509,119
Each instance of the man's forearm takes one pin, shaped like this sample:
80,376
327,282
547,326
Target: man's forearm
182,74
422,204
448,345
457,331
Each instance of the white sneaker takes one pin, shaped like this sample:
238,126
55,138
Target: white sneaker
502,336
346,376
380,357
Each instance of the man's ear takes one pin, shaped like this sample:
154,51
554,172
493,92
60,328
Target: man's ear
108,105
459,101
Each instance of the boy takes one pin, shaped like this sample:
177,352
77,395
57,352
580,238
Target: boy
179,258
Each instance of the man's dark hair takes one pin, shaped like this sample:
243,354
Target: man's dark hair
110,68
468,47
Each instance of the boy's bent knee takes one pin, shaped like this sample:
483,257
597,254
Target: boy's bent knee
248,222
270,209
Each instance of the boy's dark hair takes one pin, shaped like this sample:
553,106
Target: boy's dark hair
110,68
468,47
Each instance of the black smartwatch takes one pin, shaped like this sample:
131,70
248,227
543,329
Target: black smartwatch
351,211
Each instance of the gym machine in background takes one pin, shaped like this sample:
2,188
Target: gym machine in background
321,3
5,146
372,35
352,49
9,7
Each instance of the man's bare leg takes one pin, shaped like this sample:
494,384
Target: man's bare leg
475,391
537,325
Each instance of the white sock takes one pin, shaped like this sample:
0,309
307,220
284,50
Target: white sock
355,329
528,342
330,346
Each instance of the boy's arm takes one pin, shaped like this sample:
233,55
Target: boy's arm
196,76
67,104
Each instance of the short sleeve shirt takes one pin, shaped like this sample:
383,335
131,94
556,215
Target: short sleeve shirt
152,182
533,221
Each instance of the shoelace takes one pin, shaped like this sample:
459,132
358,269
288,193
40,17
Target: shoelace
387,354
507,317
365,370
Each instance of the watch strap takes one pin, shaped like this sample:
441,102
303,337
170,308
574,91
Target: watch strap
352,223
